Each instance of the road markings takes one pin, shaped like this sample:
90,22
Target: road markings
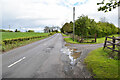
16,62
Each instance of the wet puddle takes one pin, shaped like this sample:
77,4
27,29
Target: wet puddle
72,66
73,54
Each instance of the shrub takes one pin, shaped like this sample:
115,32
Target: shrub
30,30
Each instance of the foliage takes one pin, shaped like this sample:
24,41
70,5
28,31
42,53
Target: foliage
101,66
2,30
67,28
12,40
105,29
12,35
69,40
30,30
87,41
19,43
112,4
65,35
85,26
16,30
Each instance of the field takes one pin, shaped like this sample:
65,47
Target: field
12,40
11,35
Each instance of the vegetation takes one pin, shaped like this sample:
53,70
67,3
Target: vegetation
64,35
112,4
2,30
19,43
87,41
85,26
12,35
51,29
86,29
30,30
12,40
101,65
70,40
17,30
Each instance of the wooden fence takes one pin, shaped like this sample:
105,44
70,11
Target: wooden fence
113,43
82,39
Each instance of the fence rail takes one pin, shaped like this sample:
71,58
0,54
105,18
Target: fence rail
113,43
84,38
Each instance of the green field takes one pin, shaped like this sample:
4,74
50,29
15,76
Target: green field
11,35
12,40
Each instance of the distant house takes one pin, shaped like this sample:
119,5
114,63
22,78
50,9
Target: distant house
46,30
50,29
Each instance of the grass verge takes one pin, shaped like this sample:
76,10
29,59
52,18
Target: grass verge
100,65
19,44
99,40
65,35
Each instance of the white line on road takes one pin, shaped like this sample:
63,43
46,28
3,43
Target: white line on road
16,62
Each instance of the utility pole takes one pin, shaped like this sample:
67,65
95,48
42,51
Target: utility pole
20,28
9,27
73,22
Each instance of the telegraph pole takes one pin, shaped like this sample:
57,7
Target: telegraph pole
73,22
9,27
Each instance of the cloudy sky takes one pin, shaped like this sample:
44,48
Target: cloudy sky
36,14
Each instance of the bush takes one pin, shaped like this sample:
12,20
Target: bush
2,30
16,30
30,30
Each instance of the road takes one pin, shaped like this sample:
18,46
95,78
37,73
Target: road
41,59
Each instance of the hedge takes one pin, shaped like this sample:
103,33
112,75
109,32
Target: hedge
11,41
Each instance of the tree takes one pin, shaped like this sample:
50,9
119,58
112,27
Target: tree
16,30
67,27
86,27
30,30
112,4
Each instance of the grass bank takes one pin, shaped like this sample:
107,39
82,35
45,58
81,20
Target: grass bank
12,35
99,40
101,65
20,39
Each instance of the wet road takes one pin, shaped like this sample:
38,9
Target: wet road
41,59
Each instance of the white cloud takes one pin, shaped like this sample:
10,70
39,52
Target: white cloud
35,13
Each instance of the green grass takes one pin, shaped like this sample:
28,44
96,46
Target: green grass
11,35
99,40
64,35
100,65
18,44
69,40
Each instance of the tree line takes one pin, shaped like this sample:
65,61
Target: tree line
85,26
16,30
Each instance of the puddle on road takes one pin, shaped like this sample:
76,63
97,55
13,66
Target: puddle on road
76,55
72,53
72,65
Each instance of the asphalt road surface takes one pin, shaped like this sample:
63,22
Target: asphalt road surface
41,59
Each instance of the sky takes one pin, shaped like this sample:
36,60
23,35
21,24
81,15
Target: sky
36,14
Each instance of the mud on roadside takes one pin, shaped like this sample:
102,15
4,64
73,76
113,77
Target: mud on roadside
74,66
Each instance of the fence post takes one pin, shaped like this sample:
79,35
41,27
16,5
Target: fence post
95,37
105,42
113,43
